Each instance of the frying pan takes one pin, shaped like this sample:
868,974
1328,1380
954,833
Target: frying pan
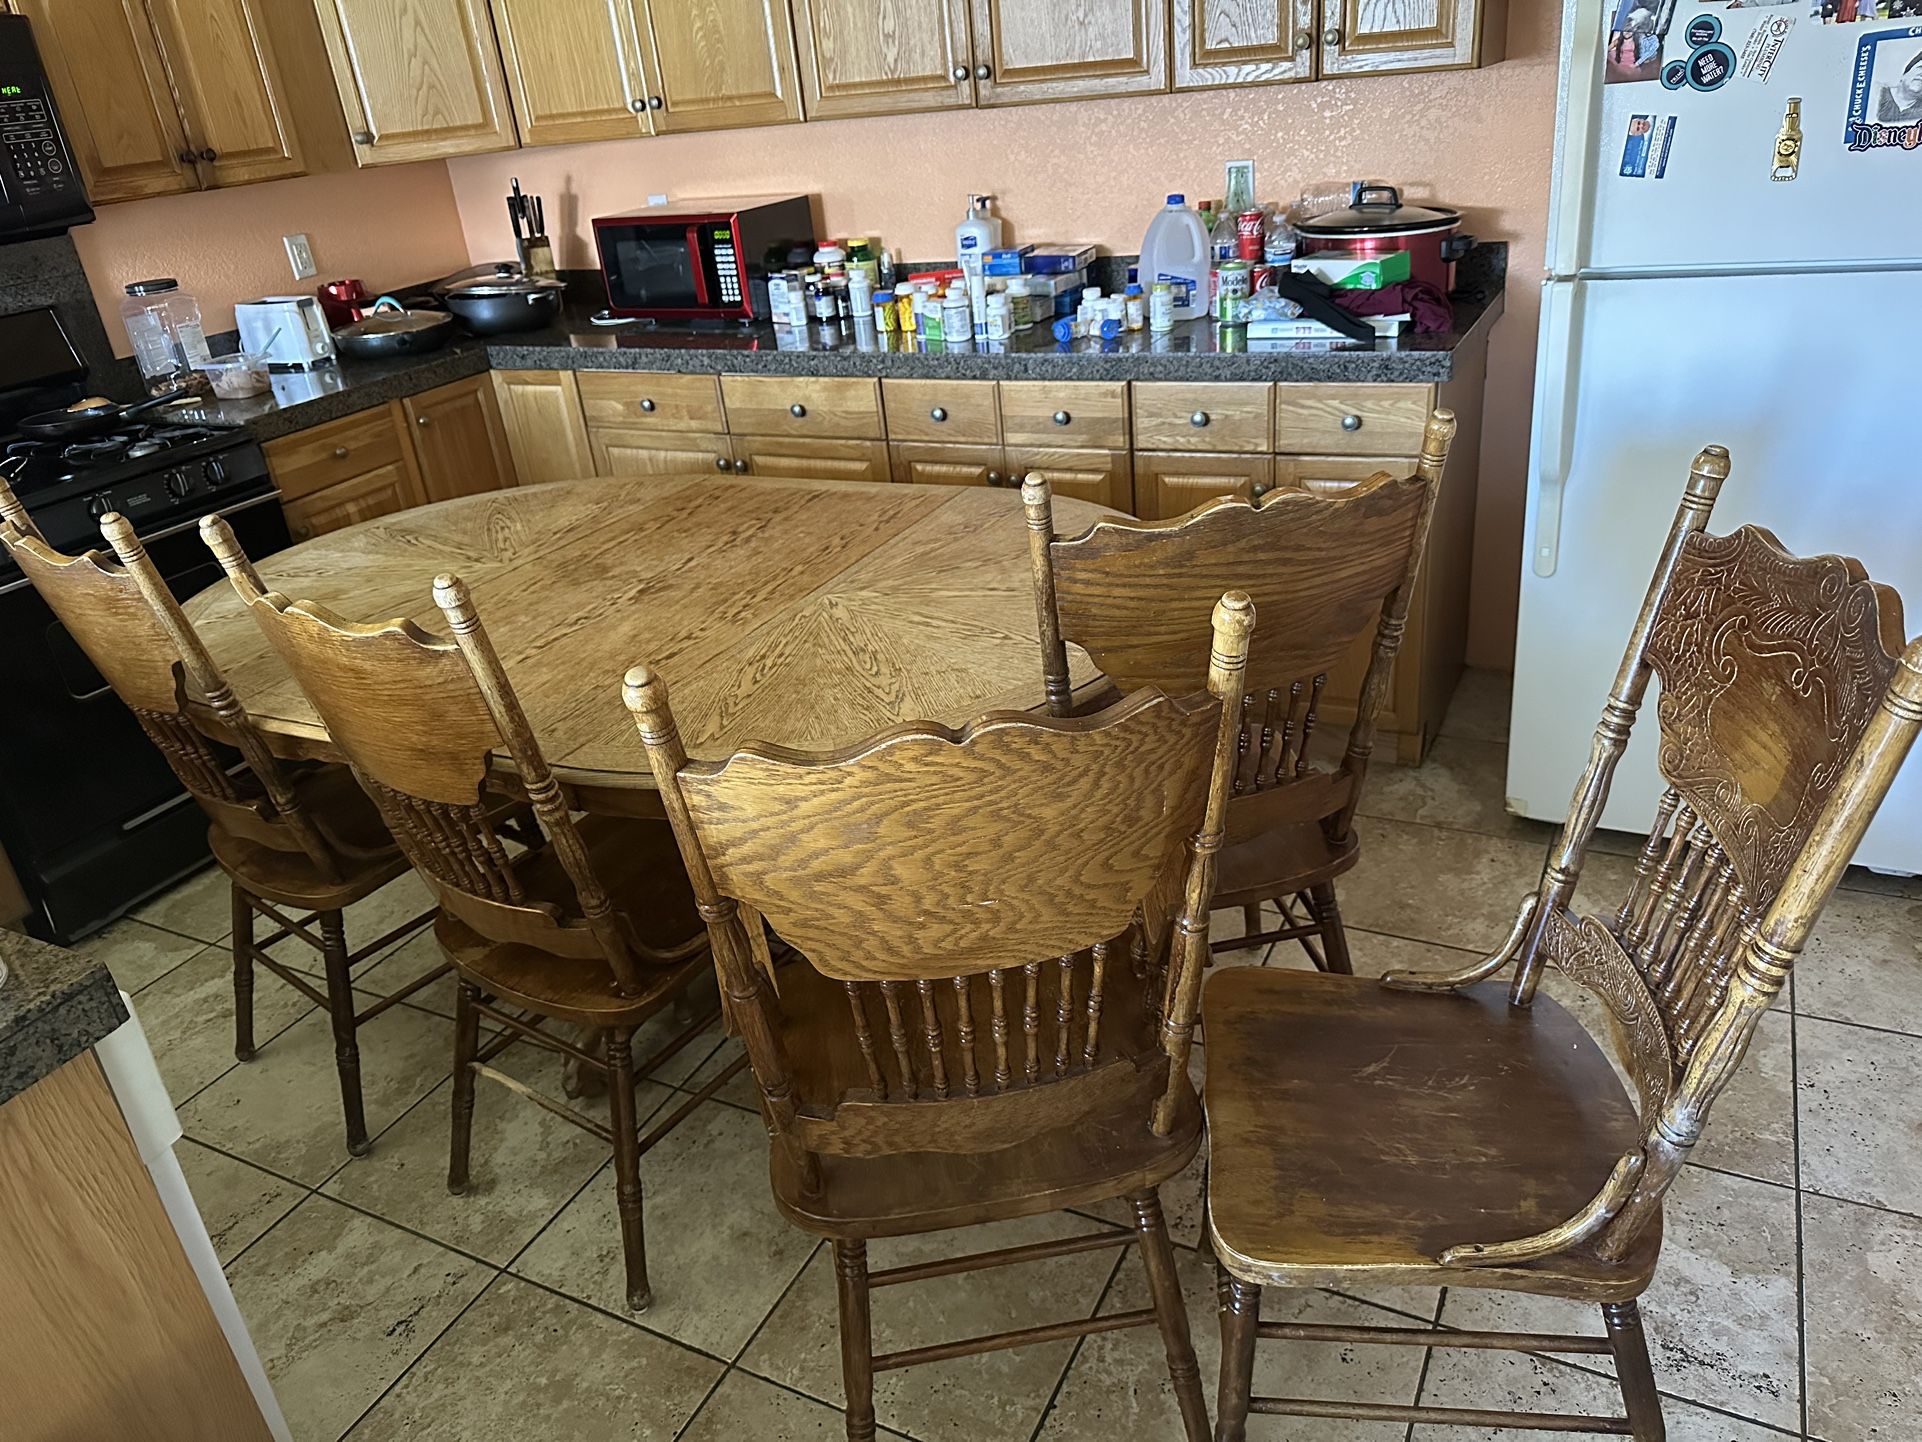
389,330
92,420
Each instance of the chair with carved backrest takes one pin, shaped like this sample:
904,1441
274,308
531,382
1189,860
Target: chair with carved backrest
1787,703
595,929
1326,569
973,1030
290,839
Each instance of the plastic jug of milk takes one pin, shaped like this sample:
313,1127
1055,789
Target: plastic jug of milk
1176,251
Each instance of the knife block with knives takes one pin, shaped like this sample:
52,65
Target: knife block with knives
528,213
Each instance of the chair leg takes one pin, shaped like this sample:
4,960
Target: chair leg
627,1164
340,1005
1334,939
466,1043
1240,1312
1251,919
242,943
1171,1313
857,1337
1632,1370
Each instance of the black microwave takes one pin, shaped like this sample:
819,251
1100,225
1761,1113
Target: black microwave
702,259
40,189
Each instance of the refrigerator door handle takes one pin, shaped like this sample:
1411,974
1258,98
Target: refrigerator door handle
1556,366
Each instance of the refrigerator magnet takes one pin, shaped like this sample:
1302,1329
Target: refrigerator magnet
1702,30
1710,66
1645,153
1763,46
1636,30
1885,92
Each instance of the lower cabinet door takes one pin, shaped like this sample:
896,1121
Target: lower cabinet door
541,413
1104,477
658,453
808,458
459,440
380,492
1172,483
928,465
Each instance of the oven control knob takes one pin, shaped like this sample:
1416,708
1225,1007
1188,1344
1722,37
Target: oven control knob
214,469
177,484
98,504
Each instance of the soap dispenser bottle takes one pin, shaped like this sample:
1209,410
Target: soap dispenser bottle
976,235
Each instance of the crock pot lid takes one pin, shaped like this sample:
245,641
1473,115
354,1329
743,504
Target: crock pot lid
1381,212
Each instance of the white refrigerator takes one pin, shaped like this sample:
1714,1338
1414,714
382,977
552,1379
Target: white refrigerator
1692,298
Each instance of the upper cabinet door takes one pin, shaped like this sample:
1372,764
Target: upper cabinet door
1366,36
419,79
858,57
232,88
1047,50
713,64
119,112
574,69
1243,42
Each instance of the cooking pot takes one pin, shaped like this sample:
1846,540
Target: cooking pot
1378,224
501,298
390,330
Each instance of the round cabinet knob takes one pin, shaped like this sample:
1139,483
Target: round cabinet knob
363,137
648,405
981,72
1198,419
1261,489
186,157
994,478
1304,42
797,410
720,463
422,420
1061,418
340,453
937,415
654,102
208,155
740,468
960,72
1351,423
1331,36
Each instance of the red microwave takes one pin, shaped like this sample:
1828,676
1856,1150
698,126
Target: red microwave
702,259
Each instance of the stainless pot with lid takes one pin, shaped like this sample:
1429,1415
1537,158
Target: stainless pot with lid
500,298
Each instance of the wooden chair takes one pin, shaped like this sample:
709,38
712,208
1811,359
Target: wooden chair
1324,568
1483,1139
596,929
299,844
975,1030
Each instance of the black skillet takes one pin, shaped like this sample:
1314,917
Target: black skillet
91,420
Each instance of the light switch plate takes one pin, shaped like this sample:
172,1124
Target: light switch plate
300,255
657,200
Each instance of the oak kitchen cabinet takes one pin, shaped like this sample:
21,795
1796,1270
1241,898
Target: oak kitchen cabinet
458,439
177,95
546,434
1249,42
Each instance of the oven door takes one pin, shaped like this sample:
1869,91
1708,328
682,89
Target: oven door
662,269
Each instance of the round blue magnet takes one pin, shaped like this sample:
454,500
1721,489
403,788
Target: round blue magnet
1711,67
1703,30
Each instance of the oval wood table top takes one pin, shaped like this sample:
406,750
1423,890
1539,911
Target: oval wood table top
808,613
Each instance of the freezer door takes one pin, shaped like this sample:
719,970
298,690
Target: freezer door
1808,381
1714,204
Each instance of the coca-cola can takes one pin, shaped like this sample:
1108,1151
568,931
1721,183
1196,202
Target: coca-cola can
1248,234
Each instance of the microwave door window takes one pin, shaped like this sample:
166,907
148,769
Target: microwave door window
657,270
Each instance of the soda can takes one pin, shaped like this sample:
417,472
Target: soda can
1248,234
1233,285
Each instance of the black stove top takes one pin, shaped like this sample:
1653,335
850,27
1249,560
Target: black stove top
34,466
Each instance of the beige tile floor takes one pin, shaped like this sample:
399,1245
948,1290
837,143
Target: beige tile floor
1789,1302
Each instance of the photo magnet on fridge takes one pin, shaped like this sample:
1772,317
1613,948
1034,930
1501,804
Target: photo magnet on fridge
1885,92
1645,154
1856,12
1636,30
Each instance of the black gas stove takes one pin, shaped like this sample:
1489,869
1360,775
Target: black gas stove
92,819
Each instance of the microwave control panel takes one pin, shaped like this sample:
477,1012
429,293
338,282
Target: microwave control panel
727,268
40,188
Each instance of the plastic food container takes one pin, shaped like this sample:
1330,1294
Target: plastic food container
236,377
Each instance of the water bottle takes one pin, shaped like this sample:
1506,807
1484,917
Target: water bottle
1176,252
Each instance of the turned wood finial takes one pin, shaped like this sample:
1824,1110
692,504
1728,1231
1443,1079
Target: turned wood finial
1437,436
1234,622
644,693
1037,499
456,603
1710,469
221,540
120,535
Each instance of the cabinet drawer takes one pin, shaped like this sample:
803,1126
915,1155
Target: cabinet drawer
1331,475
1209,417
626,451
811,458
803,406
916,463
1077,414
1104,477
325,456
1169,484
652,400
1350,420
943,412
379,492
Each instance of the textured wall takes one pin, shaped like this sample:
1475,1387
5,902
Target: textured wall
388,226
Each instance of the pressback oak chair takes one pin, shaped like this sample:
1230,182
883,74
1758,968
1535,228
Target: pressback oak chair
1325,568
973,1031
1483,1139
298,844
596,928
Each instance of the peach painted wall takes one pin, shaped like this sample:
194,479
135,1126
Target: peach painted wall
388,226
1096,171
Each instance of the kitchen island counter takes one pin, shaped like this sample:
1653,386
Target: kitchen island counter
54,1005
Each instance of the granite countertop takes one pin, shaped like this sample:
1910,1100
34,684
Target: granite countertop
1193,351
54,1004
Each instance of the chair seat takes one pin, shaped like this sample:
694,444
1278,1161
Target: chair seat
640,865
1358,1132
1281,862
367,855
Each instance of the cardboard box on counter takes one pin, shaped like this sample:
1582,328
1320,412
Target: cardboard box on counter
1345,270
1057,259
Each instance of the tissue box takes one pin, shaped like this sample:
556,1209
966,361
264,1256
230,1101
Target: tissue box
1344,270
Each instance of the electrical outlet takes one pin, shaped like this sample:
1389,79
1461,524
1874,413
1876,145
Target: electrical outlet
300,255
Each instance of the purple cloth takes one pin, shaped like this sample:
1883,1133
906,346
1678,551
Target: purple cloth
1432,313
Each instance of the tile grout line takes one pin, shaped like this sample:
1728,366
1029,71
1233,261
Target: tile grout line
1074,1352
700,1407
1427,1360
408,1370
1801,1264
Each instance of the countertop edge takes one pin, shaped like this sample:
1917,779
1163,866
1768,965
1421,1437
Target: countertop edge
68,1004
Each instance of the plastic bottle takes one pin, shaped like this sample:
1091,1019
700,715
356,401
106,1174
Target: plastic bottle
860,290
1020,303
1137,308
1161,307
976,235
861,258
1277,239
957,316
1000,317
1175,253
831,260
905,308
1221,240
163,324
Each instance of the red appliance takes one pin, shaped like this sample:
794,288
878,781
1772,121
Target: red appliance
1378,224
343,302
702,259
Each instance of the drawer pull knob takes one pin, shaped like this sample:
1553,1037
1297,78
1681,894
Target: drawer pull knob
654,102
740,468
648,405
1061,418
960,72
363,137
937,415
797,410
994,478
1304,42
209,154
1351,423
340,453
637,105
982,72
720,463
421,420
1261,489
1198,419
1331,36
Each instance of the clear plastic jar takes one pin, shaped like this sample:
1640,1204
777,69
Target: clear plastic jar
163,324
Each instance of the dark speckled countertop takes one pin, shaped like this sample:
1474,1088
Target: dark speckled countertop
1191,352
54,1004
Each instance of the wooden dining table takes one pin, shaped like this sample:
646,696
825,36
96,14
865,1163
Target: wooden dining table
807,613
